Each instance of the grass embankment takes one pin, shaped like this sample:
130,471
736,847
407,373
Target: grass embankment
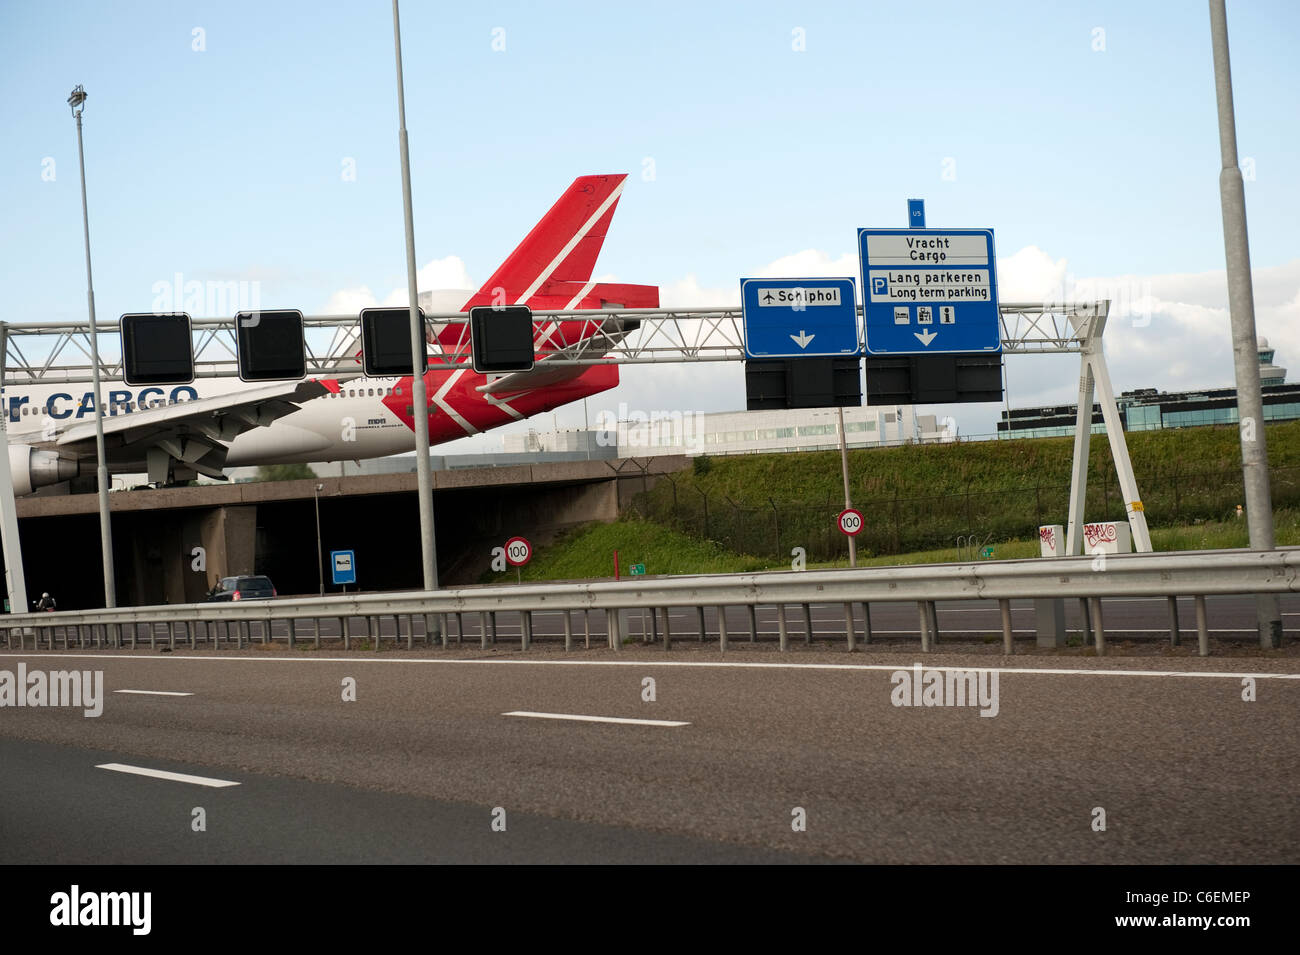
588,552
747,512
922,497
1159,459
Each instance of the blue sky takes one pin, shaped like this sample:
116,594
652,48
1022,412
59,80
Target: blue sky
227,162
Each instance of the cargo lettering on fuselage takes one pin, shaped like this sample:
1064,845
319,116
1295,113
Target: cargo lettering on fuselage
60,404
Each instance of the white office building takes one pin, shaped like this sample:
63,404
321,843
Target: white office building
577,442
754,432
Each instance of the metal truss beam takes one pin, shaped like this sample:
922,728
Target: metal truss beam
57,353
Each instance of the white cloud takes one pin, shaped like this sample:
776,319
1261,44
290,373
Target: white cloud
810,263
1184,320
1031,275
447,273
350,301
1171,332
687,293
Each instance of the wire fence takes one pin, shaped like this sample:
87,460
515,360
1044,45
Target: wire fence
901,523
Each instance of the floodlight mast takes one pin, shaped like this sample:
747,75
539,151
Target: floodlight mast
1245,346
77,102
419,391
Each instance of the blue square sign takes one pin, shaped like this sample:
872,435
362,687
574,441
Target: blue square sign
344,565
800,318
928,291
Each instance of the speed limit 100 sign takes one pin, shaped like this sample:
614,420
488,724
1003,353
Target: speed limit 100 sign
850,521
518,552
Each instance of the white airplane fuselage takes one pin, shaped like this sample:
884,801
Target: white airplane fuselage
360,418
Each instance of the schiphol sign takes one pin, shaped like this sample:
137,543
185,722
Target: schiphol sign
929,290
62,405
799,318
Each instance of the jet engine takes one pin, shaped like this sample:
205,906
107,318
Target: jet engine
32,468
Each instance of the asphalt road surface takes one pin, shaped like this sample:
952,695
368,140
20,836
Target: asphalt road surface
750,757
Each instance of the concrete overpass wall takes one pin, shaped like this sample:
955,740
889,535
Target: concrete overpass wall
271,528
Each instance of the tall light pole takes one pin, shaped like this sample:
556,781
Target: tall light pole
320,555
1241,309
586,425
419,393
77,102
848,501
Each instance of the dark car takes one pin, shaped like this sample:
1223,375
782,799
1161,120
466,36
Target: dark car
242,588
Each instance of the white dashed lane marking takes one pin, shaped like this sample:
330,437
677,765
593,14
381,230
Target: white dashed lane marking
594,719
164,774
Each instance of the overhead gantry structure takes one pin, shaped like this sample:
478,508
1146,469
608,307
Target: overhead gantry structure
59,353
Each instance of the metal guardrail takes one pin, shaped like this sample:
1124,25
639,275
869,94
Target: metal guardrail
1090,579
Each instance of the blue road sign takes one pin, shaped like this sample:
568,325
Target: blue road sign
916,213
929,290
345,566
799,318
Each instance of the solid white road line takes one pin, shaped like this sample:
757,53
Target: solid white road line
693,664
594,719
163,774
995,627
154,692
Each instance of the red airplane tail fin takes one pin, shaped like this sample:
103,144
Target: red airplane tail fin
551,268
561,249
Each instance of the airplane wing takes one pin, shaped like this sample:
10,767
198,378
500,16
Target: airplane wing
191,434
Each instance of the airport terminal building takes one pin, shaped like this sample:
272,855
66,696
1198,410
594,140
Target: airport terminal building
1147,409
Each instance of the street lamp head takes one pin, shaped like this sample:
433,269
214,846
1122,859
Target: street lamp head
77,97
320,487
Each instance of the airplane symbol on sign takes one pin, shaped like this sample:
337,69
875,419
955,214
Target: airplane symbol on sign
767,297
